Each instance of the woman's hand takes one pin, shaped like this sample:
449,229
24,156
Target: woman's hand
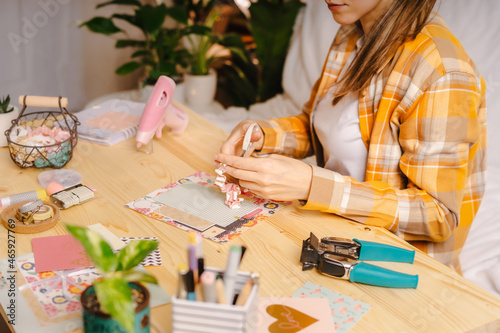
233,144
274,177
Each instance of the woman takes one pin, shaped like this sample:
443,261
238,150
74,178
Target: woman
397,121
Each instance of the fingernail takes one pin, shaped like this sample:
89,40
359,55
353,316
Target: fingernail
216,157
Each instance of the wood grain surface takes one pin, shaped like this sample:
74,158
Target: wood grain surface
443,302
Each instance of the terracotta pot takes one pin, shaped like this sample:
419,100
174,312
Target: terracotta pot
6,123
200,89
97,321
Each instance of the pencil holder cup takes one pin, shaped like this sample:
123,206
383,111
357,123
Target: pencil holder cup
194,316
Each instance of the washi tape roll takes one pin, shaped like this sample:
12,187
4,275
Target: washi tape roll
10,221
30,206
45,212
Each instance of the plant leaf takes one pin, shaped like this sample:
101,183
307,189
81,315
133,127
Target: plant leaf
178,13
128,18
134,253
272,27
134,276
116,299
96,248
128,68
101,25
120,2
121,43
141,53
152,18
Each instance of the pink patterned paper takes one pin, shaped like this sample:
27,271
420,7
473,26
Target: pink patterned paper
345,310
58,292
151,207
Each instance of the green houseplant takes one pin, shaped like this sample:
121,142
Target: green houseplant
8,113
5,106
119,282
159,51
204,47
271,25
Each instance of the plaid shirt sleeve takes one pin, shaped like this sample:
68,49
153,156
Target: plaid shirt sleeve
439,139
289,136
424,125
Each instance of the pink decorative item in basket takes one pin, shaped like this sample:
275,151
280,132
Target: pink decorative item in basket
42,139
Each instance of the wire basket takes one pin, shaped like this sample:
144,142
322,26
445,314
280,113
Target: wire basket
61,124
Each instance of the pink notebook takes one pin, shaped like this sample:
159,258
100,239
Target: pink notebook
58,253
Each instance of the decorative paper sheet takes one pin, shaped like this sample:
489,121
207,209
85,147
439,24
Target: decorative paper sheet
154,258
49,302
195,203
291,315
55,253
57,292
346,311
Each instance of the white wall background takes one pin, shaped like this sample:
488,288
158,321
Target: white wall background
43,52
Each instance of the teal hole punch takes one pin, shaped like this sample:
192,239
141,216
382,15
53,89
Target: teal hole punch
340,258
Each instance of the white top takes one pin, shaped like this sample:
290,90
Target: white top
338,131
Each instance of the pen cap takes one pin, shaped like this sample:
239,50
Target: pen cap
383,252
382,277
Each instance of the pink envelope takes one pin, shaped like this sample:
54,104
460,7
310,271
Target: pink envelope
58,253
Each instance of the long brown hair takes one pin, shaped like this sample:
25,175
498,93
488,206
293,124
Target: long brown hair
403,20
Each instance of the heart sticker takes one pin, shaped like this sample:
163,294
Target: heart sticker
288,320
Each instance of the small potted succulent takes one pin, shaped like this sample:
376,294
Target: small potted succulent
8,113
117,302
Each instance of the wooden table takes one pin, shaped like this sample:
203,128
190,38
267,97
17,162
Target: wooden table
443,302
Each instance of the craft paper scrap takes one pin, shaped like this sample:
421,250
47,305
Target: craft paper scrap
290,315
110,238
345,311
49,302
58,292
196,203
154,258
56,253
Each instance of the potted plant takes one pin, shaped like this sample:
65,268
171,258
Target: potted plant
271,25
8,113
159,51
118,302
204,47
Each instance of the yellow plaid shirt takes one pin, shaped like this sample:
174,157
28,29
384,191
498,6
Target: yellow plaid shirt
423,121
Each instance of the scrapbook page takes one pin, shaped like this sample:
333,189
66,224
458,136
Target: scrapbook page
195,203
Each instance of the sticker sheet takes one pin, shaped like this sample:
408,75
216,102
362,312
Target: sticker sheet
345,311
195,203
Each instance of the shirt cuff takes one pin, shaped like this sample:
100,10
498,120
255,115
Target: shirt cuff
269,144
327,191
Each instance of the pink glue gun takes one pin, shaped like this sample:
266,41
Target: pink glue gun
160,112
